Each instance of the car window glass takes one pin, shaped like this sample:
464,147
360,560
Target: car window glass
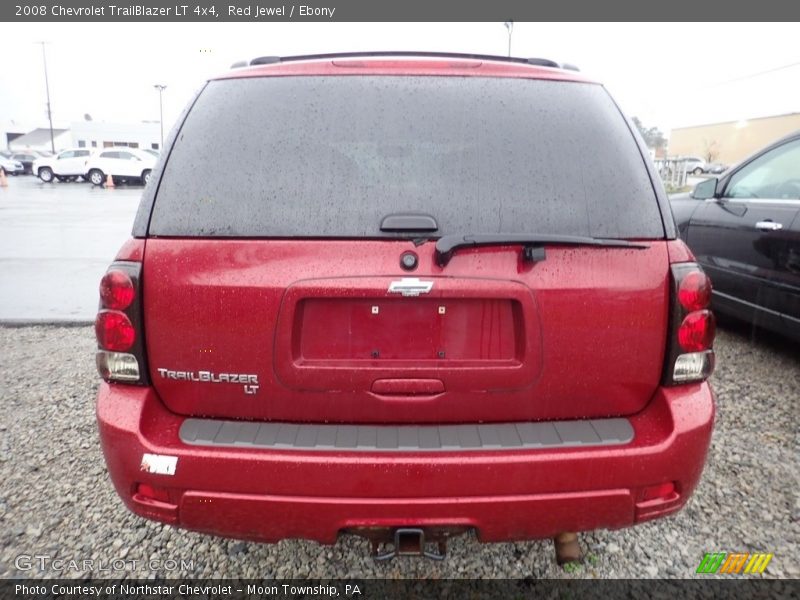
67,154
109,155
774,175
338,154
79,153
127,156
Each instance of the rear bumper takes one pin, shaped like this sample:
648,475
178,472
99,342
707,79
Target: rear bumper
267,494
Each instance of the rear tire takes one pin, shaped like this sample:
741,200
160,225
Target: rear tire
46,174
698,171
146,176
96,177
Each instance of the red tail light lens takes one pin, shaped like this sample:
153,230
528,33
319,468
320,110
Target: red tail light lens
116,290
697,330
114,331
694,292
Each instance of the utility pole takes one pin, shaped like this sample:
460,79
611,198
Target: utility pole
161,89
510,26
47,88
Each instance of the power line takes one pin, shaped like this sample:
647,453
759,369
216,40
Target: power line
756,74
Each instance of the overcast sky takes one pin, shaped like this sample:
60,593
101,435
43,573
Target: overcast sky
667,74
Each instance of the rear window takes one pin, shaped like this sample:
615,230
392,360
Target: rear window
332,156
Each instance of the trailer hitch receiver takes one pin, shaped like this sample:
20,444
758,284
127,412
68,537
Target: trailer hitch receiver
410,542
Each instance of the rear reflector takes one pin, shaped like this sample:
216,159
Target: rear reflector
693,367
660,491
114,331
116,290
154,503
151,492
117,366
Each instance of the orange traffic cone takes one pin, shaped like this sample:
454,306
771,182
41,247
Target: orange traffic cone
3,180
109,181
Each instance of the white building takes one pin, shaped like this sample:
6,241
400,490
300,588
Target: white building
10,130
99,134
39,140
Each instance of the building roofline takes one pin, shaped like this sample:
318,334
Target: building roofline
734,121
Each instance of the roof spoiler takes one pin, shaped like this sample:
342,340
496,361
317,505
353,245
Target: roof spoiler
539,62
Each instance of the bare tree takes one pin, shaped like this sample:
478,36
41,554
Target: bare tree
652,135
710,150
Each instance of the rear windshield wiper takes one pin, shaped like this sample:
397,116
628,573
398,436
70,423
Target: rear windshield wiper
448,244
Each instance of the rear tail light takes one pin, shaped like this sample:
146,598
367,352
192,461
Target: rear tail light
116,290
694,290
696,332
118,327
694,366
117,365
690,356
114,330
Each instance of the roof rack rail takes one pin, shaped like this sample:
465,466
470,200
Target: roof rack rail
539,62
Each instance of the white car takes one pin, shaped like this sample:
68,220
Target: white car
67,165
121,163
10,166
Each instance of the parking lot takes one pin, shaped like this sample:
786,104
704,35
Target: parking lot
56,241
56,499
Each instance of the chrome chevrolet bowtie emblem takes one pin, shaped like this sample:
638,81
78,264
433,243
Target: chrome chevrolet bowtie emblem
410,286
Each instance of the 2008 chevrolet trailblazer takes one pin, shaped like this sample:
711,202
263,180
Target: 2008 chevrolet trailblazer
404,296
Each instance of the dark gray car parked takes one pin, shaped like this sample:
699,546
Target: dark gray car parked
744,229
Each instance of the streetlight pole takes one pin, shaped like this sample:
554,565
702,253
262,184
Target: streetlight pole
47,89
161,89
510,26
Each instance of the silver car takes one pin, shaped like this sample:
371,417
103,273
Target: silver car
695,165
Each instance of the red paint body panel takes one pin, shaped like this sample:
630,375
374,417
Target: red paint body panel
132,250
679,252
507,495
581,334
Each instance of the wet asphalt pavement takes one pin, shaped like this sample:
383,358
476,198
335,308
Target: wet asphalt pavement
56,241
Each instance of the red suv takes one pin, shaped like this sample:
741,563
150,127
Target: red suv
404,296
